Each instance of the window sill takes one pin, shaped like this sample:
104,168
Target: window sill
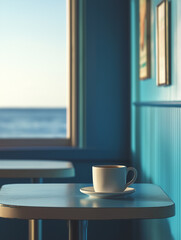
33,143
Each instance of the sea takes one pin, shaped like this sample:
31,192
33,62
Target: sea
33,123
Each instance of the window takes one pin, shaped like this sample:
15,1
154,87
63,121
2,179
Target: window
38,71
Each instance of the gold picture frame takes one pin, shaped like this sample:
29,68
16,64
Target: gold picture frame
163,44
144,40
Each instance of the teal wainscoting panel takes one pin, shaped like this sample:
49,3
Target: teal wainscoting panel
158,161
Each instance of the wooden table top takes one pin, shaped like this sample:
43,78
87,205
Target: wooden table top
65,201
36,169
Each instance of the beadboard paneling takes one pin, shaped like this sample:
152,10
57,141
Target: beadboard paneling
157,158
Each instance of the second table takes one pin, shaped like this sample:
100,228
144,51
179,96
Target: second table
36,170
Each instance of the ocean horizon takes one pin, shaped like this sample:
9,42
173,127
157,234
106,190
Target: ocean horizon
33,123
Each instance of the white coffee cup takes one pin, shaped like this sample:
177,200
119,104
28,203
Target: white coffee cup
111,178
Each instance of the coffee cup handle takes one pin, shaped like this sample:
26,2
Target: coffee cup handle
134,177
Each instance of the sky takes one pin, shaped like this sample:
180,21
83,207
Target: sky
33,53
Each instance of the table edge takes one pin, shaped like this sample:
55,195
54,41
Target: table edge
20,212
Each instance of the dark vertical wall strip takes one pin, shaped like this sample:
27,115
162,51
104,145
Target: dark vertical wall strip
107,117
156,131
107,41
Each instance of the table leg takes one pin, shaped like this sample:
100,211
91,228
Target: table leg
78,229
35,226
35,230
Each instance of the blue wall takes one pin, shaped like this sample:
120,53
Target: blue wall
156,131
107,114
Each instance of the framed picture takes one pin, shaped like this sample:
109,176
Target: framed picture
162,44
144,39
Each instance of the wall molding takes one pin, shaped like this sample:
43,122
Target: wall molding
171,104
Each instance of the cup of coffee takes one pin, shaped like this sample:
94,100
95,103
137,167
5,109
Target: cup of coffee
111,178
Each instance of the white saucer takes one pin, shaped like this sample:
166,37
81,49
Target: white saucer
90,191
